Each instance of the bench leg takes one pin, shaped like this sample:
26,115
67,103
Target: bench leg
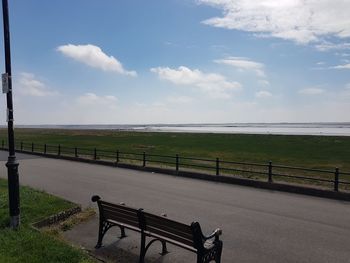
209,256
142,248
122,232
164,248
103,228
218,253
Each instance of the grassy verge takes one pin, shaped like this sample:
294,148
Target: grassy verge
26,244
324,152
316,152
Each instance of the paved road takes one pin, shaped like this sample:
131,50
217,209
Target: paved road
258,225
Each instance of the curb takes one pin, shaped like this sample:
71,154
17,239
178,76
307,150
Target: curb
56,218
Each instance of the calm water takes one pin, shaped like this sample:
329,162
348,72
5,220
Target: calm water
325,129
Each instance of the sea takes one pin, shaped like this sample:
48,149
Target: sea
322,129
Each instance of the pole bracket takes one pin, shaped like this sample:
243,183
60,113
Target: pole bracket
5,83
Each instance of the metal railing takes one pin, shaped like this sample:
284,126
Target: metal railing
331,179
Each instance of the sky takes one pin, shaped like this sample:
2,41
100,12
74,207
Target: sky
179,61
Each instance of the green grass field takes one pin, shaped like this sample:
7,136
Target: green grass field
323,152
26,244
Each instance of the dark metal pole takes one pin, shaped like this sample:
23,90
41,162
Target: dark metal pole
12,165
217,166
270,172
336,180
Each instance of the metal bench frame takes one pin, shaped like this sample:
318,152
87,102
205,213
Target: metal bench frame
191,236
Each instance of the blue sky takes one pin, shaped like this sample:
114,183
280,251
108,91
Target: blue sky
179,61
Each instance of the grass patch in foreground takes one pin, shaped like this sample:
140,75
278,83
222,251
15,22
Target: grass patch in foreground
26,244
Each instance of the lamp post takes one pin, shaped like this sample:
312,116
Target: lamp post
12,164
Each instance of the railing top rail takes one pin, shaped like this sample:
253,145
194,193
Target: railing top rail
197,159
244,163
130,153
158,155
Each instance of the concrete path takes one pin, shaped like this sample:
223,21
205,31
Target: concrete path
258,225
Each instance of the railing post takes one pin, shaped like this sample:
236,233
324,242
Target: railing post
217,166
177,163
144,159
45,148
270,172
21,146
95,154
76,152
32,147
59,150
336,180
117,156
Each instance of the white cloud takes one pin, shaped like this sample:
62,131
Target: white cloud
91,99
243,64
302,21
264,82
326,46
311,91
343,54
29,85
179,99
94,57
263,94
347,86
215,85
345,66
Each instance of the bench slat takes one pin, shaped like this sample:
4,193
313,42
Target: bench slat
137,229
161,233
168,225
164,227
121,207
174,224
119,218
132,216
172,241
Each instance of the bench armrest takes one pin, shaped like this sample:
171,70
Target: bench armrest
217,232
95,198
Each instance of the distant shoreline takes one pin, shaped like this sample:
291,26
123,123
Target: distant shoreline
316,129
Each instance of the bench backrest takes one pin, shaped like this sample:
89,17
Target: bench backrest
119,213
167,228
187,236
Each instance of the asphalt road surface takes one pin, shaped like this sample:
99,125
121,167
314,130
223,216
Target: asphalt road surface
258,225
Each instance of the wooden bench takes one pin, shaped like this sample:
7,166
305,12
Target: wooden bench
158,228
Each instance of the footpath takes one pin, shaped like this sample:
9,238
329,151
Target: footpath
258,225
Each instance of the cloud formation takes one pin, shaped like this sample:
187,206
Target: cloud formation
179,99
302,21
329,46
345,66
93,56
29,85
263,94
215,85
243,64
311,91
91,99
